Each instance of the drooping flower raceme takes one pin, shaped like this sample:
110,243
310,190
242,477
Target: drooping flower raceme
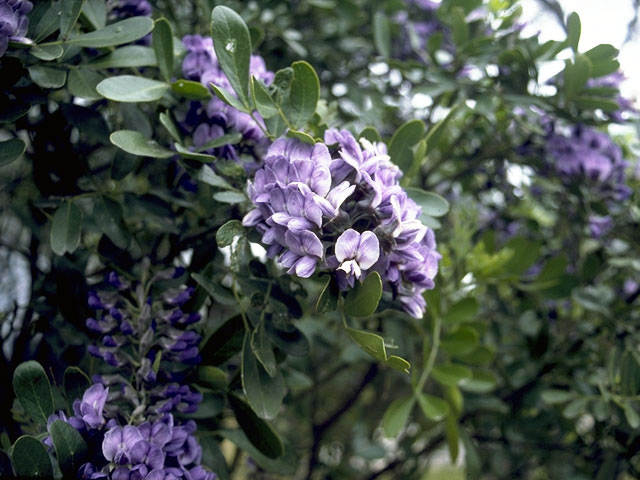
13,21
343,211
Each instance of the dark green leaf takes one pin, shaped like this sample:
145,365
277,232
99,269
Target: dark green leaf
227,232
264,393
212,377
328,299
573,31
554,397
374,345
168,123
371,134
262,99
213,457
432,204
95,11
629,374
117,33
75,383
303,137
88,121
201,157
461,342
631,415
226,139
82,83
225,342
604,51
137,144
11,150
434,408
232,44
190,90
128,56
162,41
382,34
218,292
66,228
483,381
396,416
459,26
453,438
575,408
286,464
462,311
362,300
47,77
402,143
108,217
69,16
71,448
129,88
451,375
47,52
303,95
32,388
228,98
263,350
30,458
290,340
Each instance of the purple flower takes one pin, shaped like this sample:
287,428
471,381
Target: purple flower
118,443
613,80
121,9
13,21
600,226
90,408
356,253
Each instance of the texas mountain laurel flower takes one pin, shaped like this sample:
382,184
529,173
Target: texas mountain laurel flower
13,21
338,207
130,416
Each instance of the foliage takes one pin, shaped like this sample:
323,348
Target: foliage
136,219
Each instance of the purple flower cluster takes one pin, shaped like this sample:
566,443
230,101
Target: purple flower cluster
590,155
210,120
343,211
613,80
13,21
121,9
161,330
156,449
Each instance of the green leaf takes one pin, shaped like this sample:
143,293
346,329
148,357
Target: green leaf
11,150
573,31
230,197
162,41
69,15
362,300
371,134
631,415
71,448
168,123
402,143
554,397
95,11
262,99
129,88
226,139
208,176
576,75
286,464
264,393
47,52
75,383
201,157
593,103
47,77
33,391
397,415
137,144
462,311
434,408
263,350
232,44
575,408
227,97
213,457
461,342
30,458
218,292
374,345
431,204
629,374
125,31
83,82
604,51
382,34
130,56
303,95
212,377
436,131
453,438
66,228
227,232
328,299
190,90
459,27
107,214
483,381
451,375
302,136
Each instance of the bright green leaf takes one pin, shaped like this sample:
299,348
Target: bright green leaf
304,94
227,97
431,204
382,34
434,408
462,311
576,75
402,143
461,342
190,90
208,176
483,381
451,375
573,31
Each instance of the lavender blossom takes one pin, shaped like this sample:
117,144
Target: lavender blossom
13,21
599,226
121,9
343,213
613,80
90,408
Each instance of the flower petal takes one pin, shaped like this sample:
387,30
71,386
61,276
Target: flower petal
347,245
368,251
